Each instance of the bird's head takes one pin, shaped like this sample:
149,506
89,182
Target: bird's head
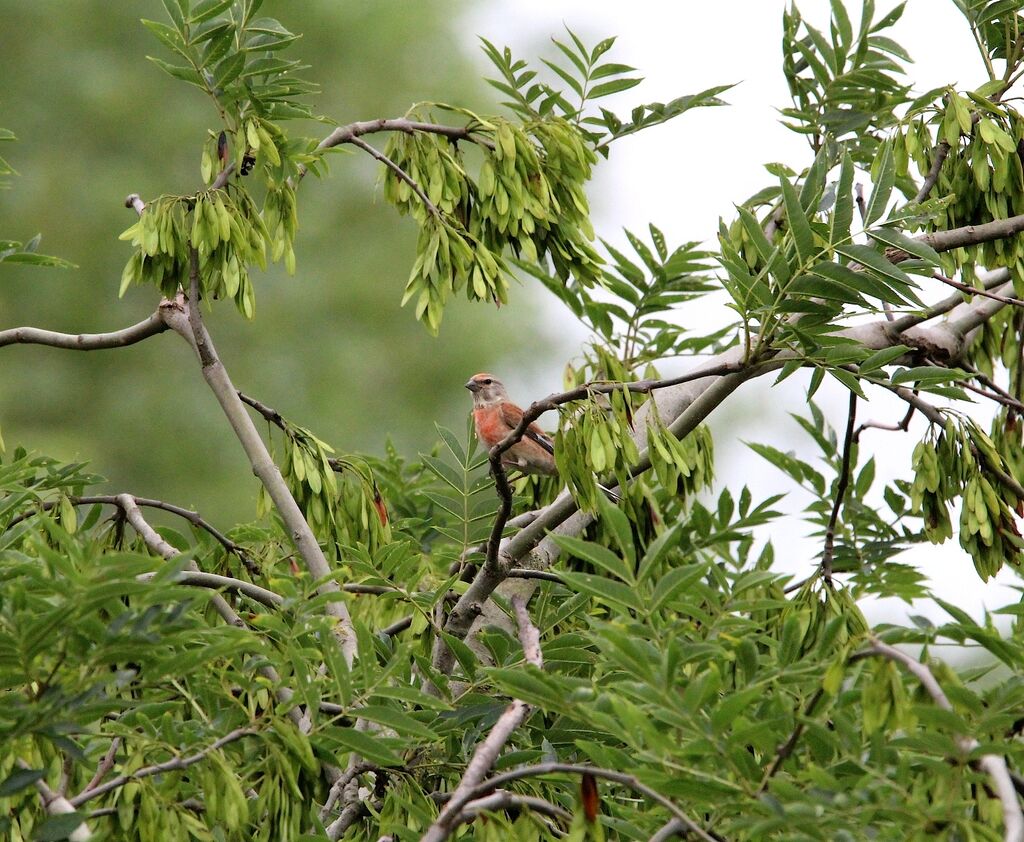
487,389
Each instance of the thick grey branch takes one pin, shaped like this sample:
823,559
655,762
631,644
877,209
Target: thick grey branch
189,325
57,805
84,341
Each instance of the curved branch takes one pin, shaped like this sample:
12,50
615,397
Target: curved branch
111,499
346,134
84,341
628,781
941,151
844,480
502,799
56,805
173,765
214,581
397,170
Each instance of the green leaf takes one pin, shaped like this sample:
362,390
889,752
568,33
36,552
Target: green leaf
673,582
20,779
882,358
605,589
530,685
597,555
369,746
209,9
58,827
864,282
842,214
613,87
927,374
398,721
849,380
883,172
227,71
871,259
898,240
798,223
657,550
186,74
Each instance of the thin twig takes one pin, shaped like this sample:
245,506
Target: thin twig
271,414
940,152
903,425
969,290
786,749
844,481
671,828
196,578
397,170
993,764
105,765
502,799
173,765
504,491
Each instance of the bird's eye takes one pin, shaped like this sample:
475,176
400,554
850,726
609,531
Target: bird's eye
488,381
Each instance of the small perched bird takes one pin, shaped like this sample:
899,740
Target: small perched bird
496,416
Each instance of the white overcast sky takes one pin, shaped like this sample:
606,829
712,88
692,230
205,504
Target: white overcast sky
683,176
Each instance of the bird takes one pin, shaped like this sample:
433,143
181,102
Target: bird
496,416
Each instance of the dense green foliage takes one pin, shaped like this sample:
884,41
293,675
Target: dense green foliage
188,684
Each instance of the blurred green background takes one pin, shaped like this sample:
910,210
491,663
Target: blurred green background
329,348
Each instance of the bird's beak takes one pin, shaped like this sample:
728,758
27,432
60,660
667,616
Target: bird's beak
473,386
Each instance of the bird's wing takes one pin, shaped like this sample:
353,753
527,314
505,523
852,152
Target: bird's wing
512,415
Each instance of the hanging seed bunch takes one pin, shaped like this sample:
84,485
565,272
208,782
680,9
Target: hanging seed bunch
982,172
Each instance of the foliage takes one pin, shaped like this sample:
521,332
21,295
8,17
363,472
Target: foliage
191,684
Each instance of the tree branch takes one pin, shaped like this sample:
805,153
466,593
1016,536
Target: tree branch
489,785
397,170
993,764
844,480
346,134
487,752
967,289
111,499
683,406
786,749
213,581
84,341
502,799
105,765
58,805
184,318
173,765
940,152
